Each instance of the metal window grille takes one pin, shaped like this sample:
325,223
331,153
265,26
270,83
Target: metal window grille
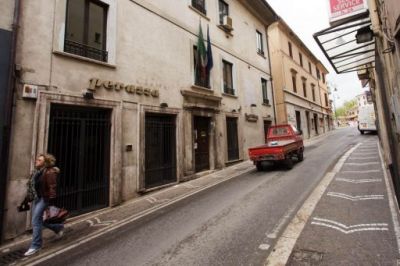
80,139
85,50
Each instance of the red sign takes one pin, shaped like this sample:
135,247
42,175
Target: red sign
345,8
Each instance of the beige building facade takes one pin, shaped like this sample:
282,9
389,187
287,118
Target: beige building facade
300,85
116,96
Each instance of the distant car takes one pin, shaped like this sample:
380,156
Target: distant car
283,143
366,118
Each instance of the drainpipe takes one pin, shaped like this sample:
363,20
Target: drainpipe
270,70
7,112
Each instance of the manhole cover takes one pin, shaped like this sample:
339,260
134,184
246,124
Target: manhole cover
305,257
12,257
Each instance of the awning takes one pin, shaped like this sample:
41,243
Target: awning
340,46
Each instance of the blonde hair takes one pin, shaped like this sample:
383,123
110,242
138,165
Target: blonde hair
49,159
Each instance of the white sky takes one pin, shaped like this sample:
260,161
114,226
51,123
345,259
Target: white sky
306,18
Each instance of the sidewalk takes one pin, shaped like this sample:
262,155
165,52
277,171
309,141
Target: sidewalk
355,222
84,228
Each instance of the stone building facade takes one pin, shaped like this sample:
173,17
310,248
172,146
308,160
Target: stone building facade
300,83
111,88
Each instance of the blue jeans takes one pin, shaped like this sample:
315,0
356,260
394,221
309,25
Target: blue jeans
38,208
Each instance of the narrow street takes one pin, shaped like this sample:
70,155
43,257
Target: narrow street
233,223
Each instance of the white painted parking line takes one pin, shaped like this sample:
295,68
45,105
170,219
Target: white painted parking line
363,158
361,163
349,229
360,171
355,198
358,181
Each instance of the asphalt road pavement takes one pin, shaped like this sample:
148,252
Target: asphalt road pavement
234,223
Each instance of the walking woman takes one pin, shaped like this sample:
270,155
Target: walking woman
42,190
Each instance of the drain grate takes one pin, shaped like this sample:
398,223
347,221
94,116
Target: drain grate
305,257
12,257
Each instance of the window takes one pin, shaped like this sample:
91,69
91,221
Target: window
318,74
326,99
227,77
304,87
294,82
223,11
201,78
309,68
264,86
301,59
85,33
323,77
260,45
200,5
313,92
290,49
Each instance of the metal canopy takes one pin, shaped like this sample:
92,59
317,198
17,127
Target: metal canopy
341,48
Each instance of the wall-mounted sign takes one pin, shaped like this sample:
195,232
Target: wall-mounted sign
96,83
30,91
340,10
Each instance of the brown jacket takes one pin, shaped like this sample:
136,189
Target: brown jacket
49,183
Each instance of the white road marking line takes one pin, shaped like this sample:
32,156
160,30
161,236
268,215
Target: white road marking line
363,158
285,244
351,226
393,208
365,171
351,231
151,199
359,181
355,198
361,163
278,227
264,246
90,222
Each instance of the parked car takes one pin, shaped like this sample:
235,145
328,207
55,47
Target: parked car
284,142
366,118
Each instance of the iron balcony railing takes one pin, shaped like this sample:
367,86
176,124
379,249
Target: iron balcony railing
85,50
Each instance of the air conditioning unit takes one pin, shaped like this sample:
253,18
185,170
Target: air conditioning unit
227,23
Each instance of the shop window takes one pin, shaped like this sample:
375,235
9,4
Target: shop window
86,24
227,70
264,86
232,138
260,45
223,11
200,5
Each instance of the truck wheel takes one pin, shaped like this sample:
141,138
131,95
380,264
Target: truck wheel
259,166
300,156
362,132
288,163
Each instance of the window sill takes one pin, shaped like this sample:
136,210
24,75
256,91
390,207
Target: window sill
228,32
229,95
267,104
262,55
82,58
199,12
204,89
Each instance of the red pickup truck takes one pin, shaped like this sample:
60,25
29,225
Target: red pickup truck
283,143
